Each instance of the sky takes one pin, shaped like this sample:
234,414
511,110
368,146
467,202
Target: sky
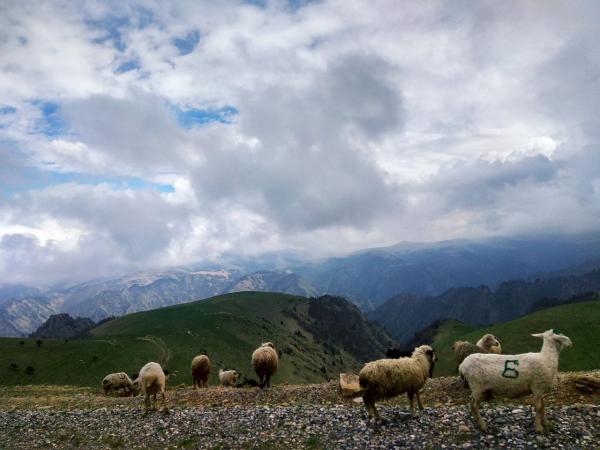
137,134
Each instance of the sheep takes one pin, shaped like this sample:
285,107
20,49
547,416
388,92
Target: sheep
395,353
387,378
265,362
153,379
201,367
487,344
118,382
228,377
513,376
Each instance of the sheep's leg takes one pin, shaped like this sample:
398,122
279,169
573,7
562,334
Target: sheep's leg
419,401
147,401
154,401
539,415
268,381
411,399
164,400
475,401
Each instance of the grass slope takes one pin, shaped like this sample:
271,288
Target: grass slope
579,321
229,327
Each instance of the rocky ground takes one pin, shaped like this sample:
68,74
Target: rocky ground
290,417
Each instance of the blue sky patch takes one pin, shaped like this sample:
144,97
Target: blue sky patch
132,64
52,123
112,30
187,43
189,118
7,110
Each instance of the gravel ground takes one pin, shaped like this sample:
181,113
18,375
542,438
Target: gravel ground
291,427
289,417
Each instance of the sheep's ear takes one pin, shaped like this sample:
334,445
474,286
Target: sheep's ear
538,335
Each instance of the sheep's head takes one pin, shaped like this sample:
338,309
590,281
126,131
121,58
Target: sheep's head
135,388
268,344
166,372
235,376
489,342
556,337
429,354
457,345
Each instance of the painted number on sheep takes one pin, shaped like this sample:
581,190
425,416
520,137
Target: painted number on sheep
510,372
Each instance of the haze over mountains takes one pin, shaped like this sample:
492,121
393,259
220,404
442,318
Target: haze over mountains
367,278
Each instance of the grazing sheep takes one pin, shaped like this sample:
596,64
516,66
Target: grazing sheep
247,383
201,367
395,353
512,376
265,362
152,380
228,377
387,378
119,383
487,344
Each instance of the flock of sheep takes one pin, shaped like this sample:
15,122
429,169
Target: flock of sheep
482,367
152,379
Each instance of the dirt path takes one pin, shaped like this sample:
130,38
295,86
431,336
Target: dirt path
164,354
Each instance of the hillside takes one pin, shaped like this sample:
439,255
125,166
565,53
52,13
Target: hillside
579,321
405,314
229,327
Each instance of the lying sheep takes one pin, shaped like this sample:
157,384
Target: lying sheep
394,352
487,344
265,362
387,378
228,377
513,376
152,380
201,367
119,383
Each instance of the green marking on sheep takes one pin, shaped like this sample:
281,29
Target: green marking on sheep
510,372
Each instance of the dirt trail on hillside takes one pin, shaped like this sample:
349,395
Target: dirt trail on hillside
164,354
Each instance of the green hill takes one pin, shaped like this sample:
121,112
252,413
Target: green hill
579,321
312,337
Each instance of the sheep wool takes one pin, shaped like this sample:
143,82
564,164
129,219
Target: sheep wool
387,378
265,362
228,377
118,382
201,367
152,380
487,344
513,376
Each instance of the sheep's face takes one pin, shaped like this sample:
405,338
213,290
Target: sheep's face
555,335
268,344
489,341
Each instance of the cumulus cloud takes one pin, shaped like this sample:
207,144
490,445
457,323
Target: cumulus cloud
348,125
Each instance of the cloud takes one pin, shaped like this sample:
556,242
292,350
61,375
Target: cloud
136,133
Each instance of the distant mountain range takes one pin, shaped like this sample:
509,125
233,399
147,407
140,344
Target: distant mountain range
406,314
367,278
311,336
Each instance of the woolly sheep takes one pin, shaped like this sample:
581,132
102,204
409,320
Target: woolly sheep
201,367
152,380
487,344
265,362
513,376
387,378
118,382
228,377
394,352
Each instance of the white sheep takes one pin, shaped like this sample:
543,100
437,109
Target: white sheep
265,362
513,376
201,367
118,382
487,344
152,379
228,377
387,378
